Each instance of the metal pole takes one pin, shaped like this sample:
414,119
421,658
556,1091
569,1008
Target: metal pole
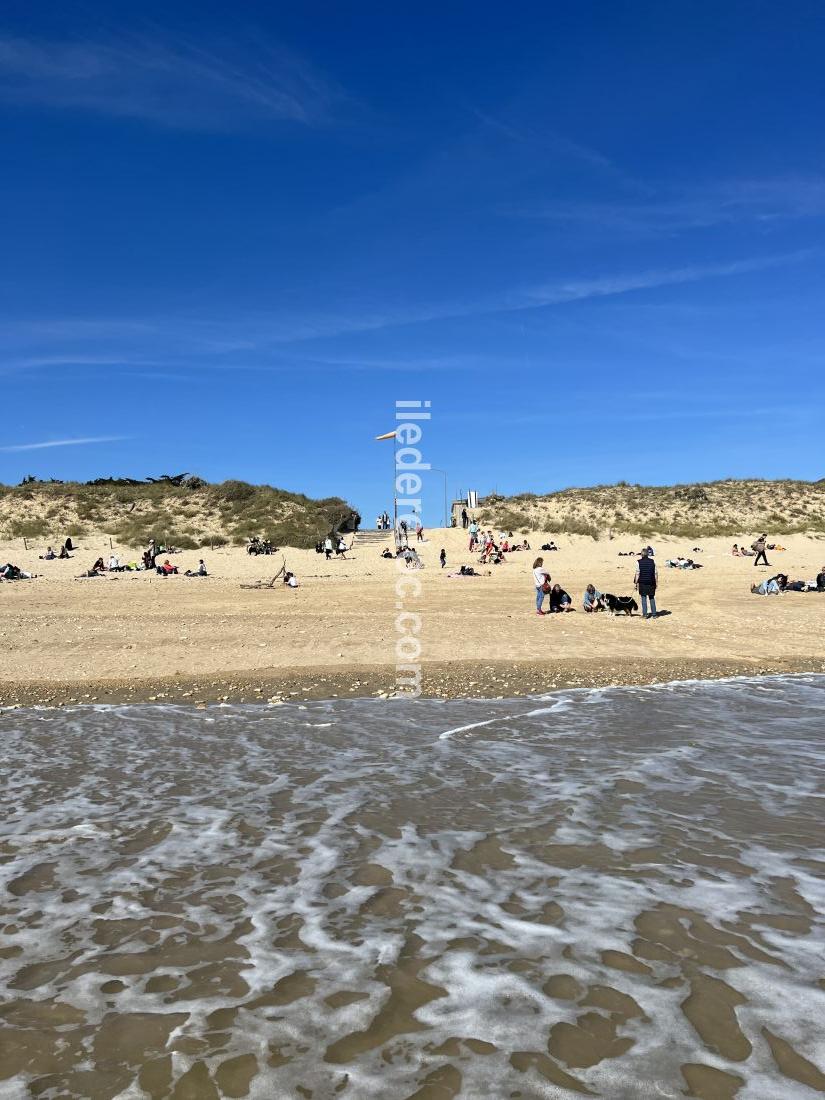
394,497
443,473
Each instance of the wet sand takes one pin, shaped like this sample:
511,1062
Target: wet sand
609,893
441,680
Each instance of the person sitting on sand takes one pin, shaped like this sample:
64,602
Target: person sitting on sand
735,551
290,580
387,553
541,579
820,580
167,569
114,565
199,572
560,600
411,558
48,556
64,553
593,599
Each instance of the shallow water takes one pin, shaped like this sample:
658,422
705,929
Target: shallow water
616,892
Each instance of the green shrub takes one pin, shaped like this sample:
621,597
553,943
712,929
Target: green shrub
28,528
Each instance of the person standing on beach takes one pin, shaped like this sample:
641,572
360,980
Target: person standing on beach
542,581
760,546
645,583
327,548
464,518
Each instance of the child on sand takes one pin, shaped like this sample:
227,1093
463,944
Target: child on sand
442,557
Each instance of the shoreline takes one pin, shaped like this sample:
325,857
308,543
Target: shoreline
441,680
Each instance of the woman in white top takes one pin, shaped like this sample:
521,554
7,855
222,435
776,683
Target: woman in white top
541,577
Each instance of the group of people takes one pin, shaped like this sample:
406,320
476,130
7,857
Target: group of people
165,569
492,548
780,583
757,551
383,522
328,547
645,583
256,545
682,562
65,552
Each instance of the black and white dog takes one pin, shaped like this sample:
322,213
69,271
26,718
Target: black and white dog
616,604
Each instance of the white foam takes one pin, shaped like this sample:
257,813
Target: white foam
603,806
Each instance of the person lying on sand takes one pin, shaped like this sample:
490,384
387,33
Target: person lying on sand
97,570
593,599
766,588
466,571
10,572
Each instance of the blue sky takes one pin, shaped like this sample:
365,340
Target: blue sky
591,235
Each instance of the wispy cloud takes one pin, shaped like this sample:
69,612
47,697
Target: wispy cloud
187,85
258,340
668,212
612,285
46,443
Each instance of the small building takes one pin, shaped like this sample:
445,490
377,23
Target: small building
463,503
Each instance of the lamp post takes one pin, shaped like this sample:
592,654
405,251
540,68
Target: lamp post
443,473
393,436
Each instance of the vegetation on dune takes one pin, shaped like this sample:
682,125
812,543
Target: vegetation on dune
729,507
189,515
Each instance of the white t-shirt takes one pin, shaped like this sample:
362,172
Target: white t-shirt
540,574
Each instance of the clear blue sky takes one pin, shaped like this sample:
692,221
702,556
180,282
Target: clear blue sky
590,234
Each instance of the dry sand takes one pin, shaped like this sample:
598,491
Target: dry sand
139,636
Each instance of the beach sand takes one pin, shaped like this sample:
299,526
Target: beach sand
137,636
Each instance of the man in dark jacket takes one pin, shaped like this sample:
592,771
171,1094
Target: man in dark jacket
760,546
645,583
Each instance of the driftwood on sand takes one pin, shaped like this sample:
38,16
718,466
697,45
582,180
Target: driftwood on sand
270,583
